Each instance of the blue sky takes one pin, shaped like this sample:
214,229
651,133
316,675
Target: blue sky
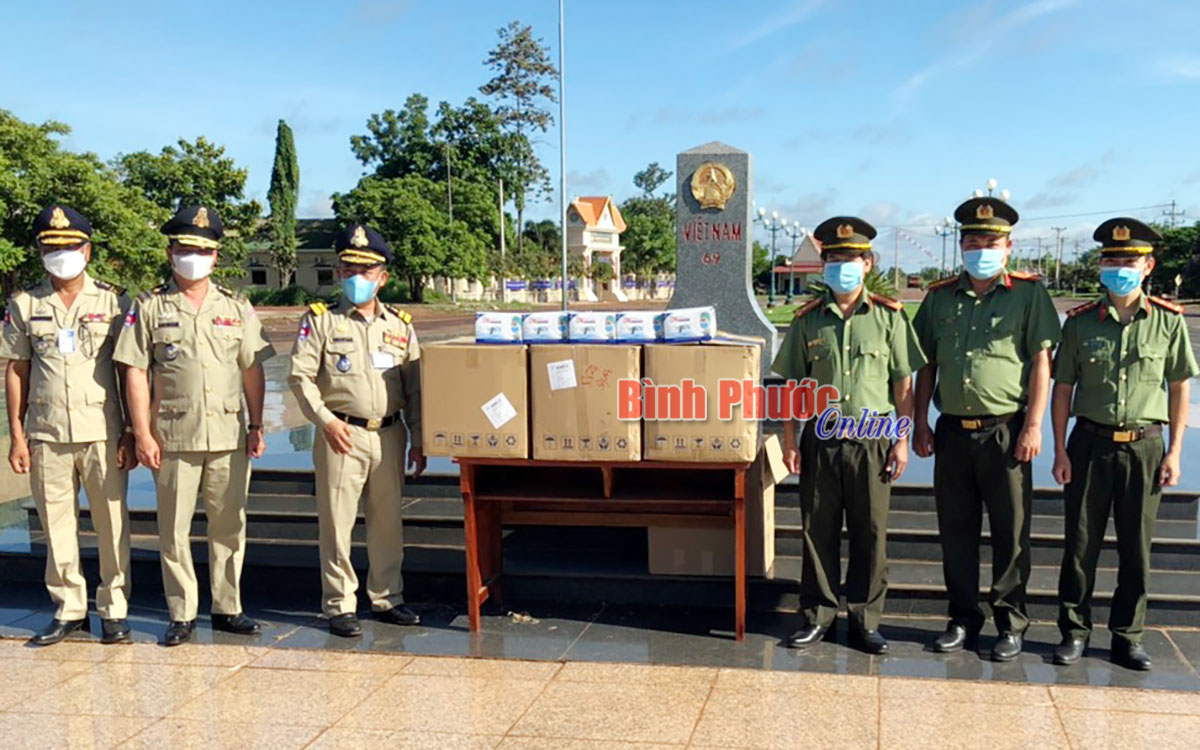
892,111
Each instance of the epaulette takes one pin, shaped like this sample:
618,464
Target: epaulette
318,308
1025,275
109,287
235,294
398,313
941,283
894,304
160,289
810,306
1167,305
1079,310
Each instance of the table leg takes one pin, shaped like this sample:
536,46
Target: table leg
471,539
739,513
495,531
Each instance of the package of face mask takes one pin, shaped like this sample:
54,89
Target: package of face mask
498,328
689,324
639,327
545,327
592,327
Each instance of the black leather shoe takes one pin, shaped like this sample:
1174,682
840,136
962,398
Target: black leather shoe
1130,656
237,624
1007,646
869,641
1070,650
398,615
58,630
179,632
956,638
806,636
346,626
114,631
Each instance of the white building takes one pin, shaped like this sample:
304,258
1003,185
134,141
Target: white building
594,226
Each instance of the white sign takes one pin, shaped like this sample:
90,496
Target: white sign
562,374
498,410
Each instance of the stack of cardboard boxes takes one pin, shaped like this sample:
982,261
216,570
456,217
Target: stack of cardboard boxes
563,402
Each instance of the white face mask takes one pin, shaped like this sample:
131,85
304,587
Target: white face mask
64,264
191,266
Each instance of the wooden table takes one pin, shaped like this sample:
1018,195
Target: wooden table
509,491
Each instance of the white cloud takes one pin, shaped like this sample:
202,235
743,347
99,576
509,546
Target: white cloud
790,16
1187,67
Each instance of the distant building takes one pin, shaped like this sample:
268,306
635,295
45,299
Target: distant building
804,266
315,259
594,226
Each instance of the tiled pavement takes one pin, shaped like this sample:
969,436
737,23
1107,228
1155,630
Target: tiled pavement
81,694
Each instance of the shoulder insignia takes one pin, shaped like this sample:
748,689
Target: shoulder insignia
235,294
811,305
318,308
109,287
398,312
1079,310
160,289
1164,304
940,283
894,304
31,286
1025,275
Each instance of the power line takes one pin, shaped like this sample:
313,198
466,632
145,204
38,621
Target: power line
1172,213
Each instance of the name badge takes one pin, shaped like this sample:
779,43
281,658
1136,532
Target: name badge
66,340
383,360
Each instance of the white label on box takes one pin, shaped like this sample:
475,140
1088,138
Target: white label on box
498,410
562,374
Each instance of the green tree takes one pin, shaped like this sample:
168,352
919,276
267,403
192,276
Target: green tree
36,170
521,87
651,178
1177,255
398,143
649,236
283,196
192,173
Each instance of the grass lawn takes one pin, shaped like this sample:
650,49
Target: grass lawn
783,314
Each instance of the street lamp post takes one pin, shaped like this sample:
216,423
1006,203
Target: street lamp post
944,230
773,224
795,231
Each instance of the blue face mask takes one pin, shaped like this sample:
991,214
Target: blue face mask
359,289
1121,280
844,277
985,263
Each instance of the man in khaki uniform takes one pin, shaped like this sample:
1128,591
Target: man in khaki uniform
193,349
64,412
354,370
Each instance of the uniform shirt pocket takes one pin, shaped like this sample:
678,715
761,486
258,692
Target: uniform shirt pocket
227,342
1151,358
165,343
341,356
1095,360
43,338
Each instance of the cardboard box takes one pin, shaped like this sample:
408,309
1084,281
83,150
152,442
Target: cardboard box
709,552
707,363
573,392
474,399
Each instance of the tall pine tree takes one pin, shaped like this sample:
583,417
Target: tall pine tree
283,195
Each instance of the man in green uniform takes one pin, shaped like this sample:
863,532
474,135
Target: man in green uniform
64,412
863,345
193,350
988,334
355,370
1126,359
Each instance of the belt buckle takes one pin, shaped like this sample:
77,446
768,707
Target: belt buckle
972,424
1124,436
374,424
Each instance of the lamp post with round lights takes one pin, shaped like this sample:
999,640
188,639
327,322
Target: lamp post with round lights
772,224
944,230
796,232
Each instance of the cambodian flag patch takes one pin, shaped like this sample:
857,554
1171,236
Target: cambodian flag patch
130,318
304,331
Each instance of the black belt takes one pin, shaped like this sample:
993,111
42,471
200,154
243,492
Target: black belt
370,424
978,423
1117,435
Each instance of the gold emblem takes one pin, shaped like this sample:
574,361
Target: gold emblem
845,231
985,212
712,185
359,238
1121,234
58,219
201,219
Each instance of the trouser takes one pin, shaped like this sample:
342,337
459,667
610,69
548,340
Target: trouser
57,472
373,472
1121,478
222,479
974,470
843,478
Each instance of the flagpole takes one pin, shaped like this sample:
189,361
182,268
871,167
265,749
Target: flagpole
562,155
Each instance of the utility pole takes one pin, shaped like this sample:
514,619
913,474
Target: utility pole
896,260
562,150
1172,214
503,229
1058,256
1039,257
1075,274
450,213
